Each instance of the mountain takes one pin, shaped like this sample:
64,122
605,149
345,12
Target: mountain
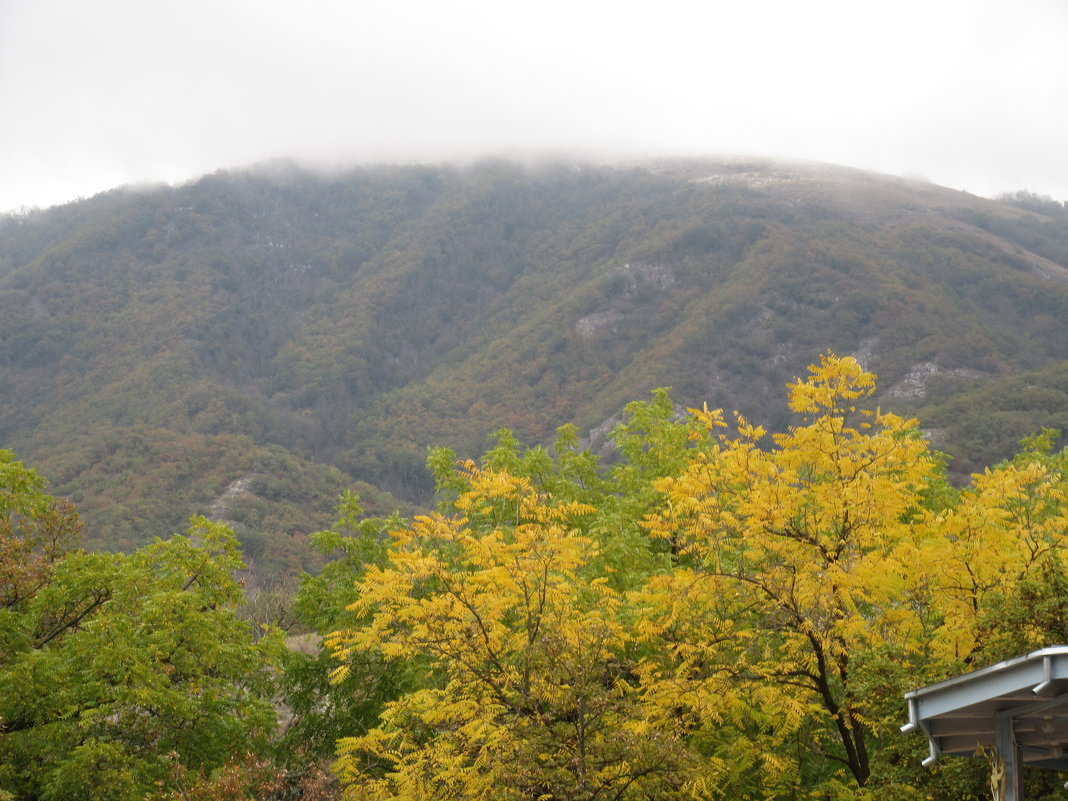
251,343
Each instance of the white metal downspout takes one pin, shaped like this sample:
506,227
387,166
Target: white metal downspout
913,725
1047,676
935,753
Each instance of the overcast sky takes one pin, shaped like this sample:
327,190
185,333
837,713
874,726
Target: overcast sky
972,94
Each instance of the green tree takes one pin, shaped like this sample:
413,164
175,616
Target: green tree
321,711
115,668
35,531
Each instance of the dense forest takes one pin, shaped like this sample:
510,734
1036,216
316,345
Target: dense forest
250,344
466,509
719,613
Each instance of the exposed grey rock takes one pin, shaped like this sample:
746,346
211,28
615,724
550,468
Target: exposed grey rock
914,384
592,323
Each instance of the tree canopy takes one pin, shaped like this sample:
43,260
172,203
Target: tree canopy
716,613
116,669
781,592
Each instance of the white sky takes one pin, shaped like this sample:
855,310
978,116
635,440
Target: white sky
972,94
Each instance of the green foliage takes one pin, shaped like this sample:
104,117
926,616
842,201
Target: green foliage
114,667
321,712
1012,408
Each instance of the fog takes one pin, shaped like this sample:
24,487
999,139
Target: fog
967,93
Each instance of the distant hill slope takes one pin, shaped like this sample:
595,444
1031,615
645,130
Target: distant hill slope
305,331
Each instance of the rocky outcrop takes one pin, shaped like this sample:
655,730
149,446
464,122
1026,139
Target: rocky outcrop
914,384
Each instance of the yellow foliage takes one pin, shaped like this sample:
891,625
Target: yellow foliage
535,693
1008,525
796,569
795,558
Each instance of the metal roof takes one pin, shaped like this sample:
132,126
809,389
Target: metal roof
1020,705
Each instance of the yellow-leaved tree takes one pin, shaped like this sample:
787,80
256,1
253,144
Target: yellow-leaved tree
531,689
996,572
796,558
723,614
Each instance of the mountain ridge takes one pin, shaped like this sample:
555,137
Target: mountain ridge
346,322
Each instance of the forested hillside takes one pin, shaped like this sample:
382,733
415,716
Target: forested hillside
249,344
